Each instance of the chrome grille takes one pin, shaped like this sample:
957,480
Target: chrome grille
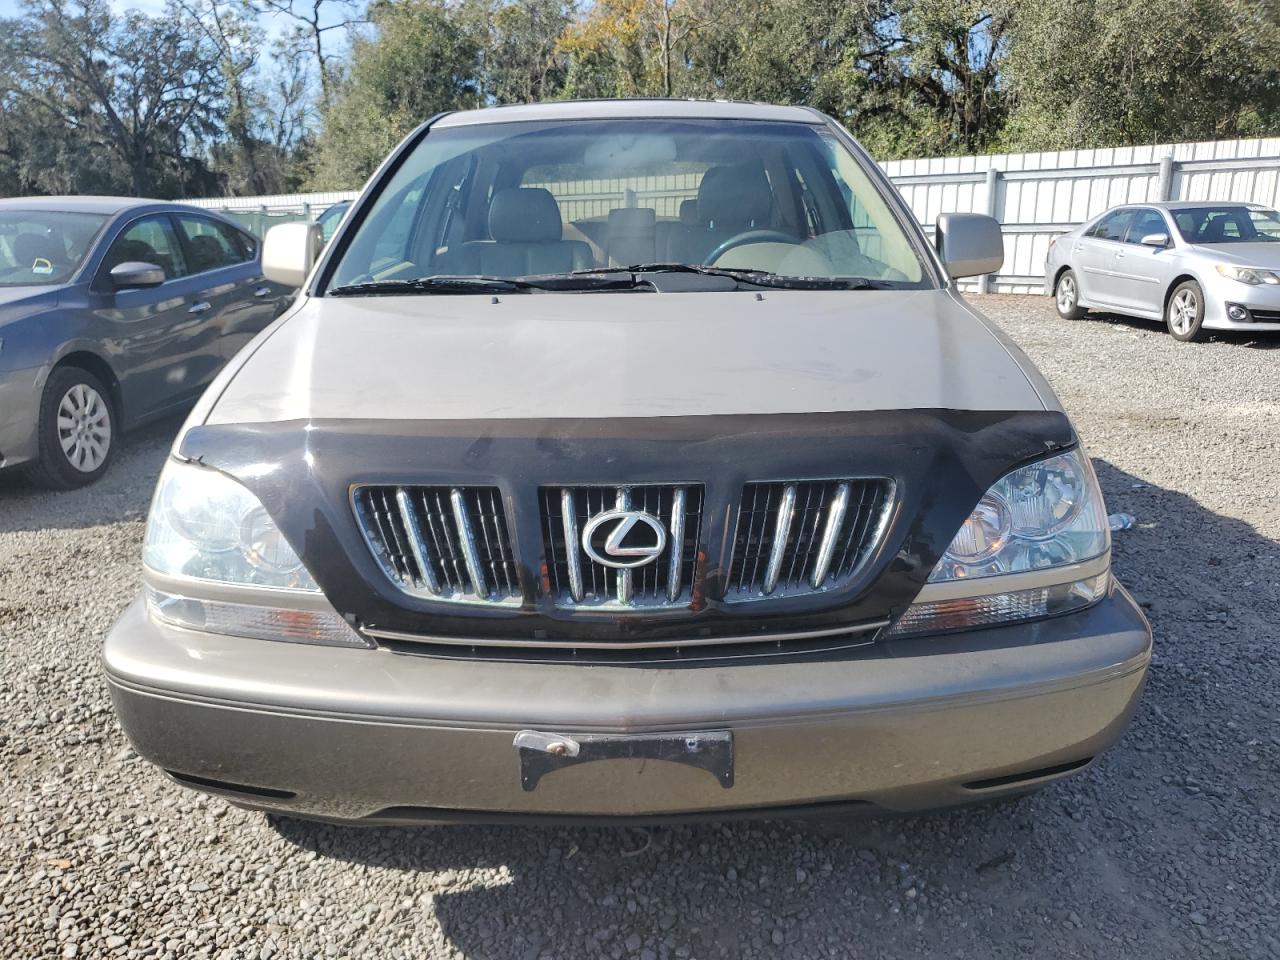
441,543
576,580
804,536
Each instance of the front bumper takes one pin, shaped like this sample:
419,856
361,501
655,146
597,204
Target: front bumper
1262,302
375,736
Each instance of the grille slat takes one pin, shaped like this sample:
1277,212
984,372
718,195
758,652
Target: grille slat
666,581
443,543
810,535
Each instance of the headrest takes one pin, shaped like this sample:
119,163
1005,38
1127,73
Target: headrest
632,218
524,215
689,211
30,247
736,196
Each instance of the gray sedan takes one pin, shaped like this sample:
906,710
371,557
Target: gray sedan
113,312
1196,265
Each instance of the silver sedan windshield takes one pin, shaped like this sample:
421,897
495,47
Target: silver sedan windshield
1227,223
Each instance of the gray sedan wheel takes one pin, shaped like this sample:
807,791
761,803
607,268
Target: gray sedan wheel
1066,296
1184,313
76,432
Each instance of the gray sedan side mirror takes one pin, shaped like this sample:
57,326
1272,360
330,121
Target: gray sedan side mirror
135,273
970,244
289,251
1155,240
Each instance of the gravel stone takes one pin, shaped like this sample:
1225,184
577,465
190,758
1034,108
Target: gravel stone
1176,825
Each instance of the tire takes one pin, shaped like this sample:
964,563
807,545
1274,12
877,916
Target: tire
77,430
1066,296
1184,313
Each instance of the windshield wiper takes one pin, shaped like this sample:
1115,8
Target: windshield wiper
753,277
582,280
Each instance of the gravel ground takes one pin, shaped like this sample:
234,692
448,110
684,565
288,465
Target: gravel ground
1167,847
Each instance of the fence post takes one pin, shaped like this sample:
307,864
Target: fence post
993,182
1164,185
306,212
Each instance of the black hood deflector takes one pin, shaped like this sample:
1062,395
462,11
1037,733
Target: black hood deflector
941,462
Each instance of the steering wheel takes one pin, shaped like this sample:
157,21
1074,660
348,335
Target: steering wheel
747,236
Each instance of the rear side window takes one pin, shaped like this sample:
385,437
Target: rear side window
150,240
1112,226
211,245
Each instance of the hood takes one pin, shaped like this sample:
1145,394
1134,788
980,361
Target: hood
15,300
1264,253
586,356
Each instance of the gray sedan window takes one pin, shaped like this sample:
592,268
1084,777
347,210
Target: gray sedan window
149,240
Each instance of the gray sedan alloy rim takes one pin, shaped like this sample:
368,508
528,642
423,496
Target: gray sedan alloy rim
1182,311
84,427
1066,294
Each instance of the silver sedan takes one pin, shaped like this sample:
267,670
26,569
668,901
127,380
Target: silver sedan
1196,265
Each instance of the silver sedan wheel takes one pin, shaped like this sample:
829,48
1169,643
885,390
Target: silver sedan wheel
84,427
1066,294
1182,311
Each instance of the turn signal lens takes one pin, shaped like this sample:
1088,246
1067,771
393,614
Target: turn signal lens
995,609
322,627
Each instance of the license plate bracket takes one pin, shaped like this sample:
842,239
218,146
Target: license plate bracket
541,752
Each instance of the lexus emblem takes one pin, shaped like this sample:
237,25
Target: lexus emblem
624,538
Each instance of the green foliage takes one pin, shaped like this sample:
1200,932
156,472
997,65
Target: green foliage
194,101
1088,74
421,60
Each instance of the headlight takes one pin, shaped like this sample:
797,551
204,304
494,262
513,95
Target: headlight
205,526
1037,544
1043,515
242,578
1250,275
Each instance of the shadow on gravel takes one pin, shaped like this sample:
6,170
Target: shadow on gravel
1180,813
1263,340
123,493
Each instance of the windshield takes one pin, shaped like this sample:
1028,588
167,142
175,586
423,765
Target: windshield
42,247
512,200
1227,224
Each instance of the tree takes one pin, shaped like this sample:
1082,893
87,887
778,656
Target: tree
631,48
520,56
313,21
142,91
1087,74
419,61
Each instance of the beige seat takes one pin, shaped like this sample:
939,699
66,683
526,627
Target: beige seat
731,200
631,237
528,238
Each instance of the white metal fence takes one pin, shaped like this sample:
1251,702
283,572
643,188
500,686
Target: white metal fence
1035,196
259,214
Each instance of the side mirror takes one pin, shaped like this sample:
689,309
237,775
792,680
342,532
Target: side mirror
1155,240
970,244
290,251
134,273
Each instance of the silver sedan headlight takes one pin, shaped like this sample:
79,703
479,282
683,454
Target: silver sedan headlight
1253,276
216,561
1037,544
